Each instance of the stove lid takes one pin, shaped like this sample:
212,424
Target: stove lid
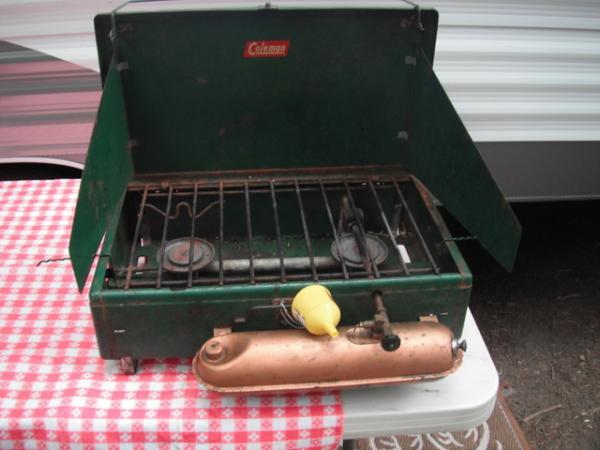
207,90
265,88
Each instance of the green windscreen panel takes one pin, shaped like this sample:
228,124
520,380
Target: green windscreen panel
107,171
443,156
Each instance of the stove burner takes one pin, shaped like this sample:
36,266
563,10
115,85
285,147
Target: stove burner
178,254
351,252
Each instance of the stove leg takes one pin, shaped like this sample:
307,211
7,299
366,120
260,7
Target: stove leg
128,365
349,444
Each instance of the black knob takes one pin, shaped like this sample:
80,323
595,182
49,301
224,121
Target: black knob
390,342
458,344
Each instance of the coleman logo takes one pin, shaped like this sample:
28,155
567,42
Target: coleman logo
266,49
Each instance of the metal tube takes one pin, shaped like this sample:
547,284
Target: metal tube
274,264
136,235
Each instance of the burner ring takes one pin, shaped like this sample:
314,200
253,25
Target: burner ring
177,252
378,250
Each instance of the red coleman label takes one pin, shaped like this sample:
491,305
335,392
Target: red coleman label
266,49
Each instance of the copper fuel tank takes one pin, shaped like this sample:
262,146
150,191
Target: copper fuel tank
282,360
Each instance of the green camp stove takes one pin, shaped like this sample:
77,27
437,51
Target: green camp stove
240,155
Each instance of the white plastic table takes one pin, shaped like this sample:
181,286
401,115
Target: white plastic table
462,400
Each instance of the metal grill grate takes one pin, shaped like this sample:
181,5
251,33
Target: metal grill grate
247,264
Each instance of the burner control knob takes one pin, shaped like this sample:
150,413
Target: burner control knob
390,342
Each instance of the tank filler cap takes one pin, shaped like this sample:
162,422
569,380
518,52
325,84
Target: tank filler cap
213,351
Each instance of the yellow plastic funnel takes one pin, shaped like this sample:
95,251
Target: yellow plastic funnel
314,307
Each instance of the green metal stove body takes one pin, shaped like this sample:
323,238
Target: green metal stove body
259,140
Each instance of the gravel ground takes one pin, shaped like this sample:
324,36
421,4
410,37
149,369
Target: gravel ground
542,322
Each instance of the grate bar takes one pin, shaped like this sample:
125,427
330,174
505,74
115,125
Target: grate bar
306,234
331,187
278,231
163,241
332,223
249,227
221,232
329,272
413,223
387,226
192,234
361,235
272,278
136,235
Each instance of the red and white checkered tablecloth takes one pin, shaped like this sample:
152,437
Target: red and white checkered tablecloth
56,392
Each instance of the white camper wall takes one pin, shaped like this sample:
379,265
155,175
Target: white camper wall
522,70
525,78
523,75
